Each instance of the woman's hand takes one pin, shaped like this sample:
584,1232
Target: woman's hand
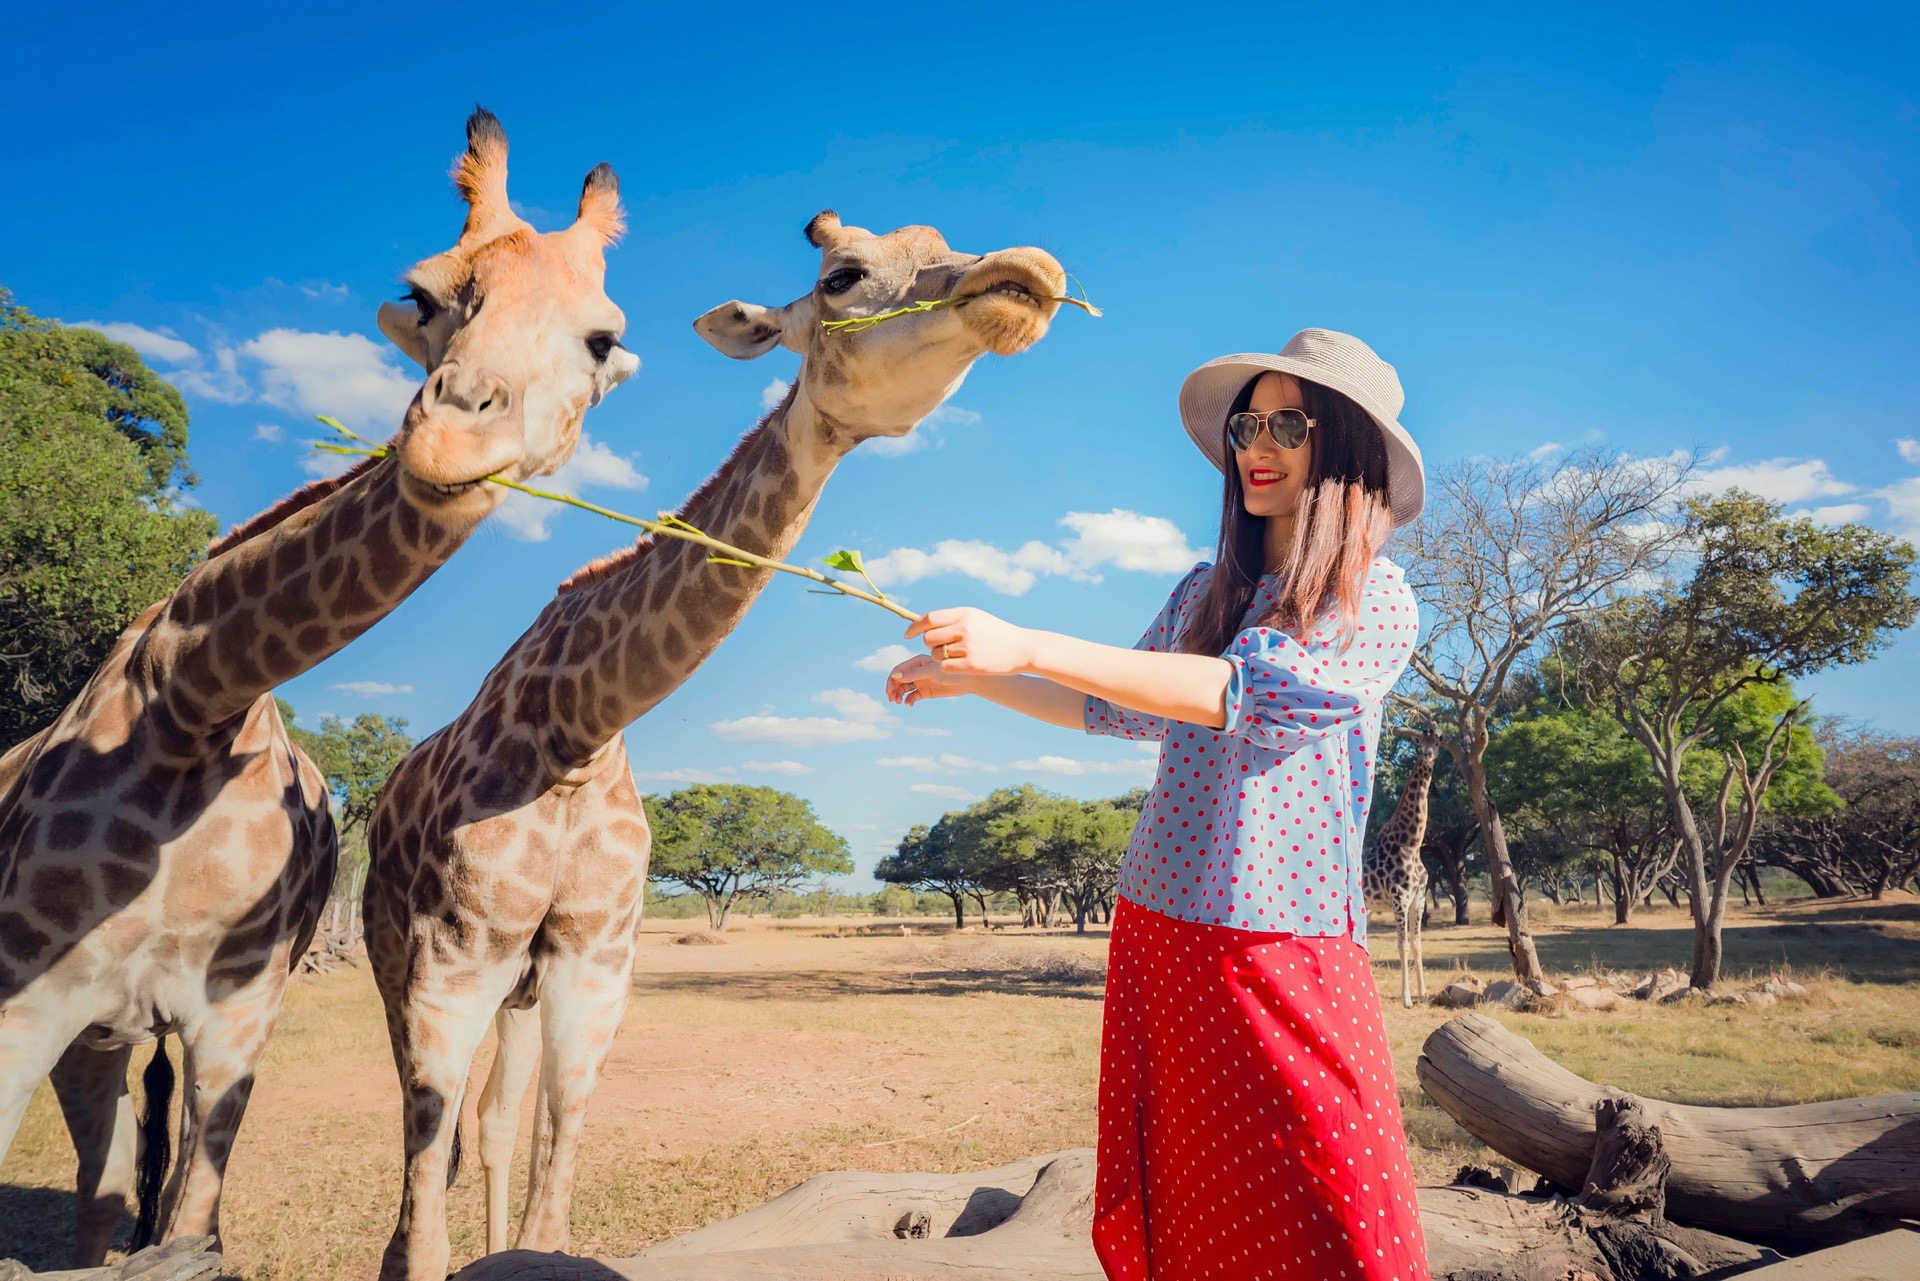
920,678
973,642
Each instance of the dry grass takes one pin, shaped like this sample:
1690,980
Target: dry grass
812,1045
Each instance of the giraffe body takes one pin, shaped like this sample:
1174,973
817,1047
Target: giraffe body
1394,876
509,851
165,850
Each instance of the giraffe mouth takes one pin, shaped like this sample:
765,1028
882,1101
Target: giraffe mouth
1016,290
456,489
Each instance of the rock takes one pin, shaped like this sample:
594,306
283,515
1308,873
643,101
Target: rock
1621,983
1725,998
1579,981
1459,995
1762,999
1682,995
1594,998
1506,992
1540,987
1660,984
1783,989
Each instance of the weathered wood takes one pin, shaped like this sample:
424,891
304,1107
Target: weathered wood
1813,1174
1891,1256
187,1259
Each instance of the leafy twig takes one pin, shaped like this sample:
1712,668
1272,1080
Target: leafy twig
667,525
860,324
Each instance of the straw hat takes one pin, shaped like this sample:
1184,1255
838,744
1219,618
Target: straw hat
1339,361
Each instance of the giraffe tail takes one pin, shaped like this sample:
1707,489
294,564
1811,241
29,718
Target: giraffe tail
156,1146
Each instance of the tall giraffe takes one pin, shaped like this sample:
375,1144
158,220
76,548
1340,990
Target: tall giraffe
1392,871
509,850
164,848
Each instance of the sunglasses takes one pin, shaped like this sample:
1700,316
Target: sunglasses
1288,427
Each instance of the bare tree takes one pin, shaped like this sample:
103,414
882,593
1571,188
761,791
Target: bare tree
1769,599
1509,551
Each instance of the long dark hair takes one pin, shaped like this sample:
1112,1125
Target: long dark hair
1343,521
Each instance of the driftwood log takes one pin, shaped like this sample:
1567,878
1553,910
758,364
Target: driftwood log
1795,1177
1031,1221
188,1259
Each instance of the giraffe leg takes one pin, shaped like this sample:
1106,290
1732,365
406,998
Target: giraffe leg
33,1034
514,1060
1400,928
92,1088
581,1007
221,1053
441,1026
1420,951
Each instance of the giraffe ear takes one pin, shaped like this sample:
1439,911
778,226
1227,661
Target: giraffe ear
745,330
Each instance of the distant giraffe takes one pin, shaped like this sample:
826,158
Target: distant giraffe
1393,873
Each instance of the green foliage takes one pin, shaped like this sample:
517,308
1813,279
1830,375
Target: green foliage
92,446
356,756
727,842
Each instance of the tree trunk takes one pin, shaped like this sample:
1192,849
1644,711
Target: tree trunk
1813,1174
1508,906
1624,892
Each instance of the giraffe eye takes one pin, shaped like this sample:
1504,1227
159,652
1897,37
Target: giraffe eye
841,279
601,346
425,305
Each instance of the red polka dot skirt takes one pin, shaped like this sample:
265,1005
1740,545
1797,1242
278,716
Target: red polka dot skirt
1249,1121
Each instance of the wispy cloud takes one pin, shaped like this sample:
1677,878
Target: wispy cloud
790,768
1783,480
1909,450
1140,767
189,370
1903,503
857,718
325,291
946,763
272,433
161,345
593,465
687,774
946,791
344,375
1837,514
1119,538
923,436
371,689
885,659
773,393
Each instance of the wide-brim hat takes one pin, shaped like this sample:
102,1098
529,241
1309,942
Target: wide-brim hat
1339,361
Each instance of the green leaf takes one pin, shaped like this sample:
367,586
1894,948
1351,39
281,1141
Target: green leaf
848,561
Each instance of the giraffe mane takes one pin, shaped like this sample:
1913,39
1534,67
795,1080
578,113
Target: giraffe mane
604,567
299,500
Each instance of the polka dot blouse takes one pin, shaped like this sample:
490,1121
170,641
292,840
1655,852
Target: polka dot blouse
1258,825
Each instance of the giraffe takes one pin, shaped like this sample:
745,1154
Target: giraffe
1394,875
509,849
164,849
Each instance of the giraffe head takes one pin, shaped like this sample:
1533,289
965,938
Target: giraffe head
883,380
515,331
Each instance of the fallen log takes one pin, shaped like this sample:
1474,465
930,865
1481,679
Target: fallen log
187,1259
1031,1221
1796,1177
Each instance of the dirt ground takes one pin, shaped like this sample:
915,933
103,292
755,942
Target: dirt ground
811,1045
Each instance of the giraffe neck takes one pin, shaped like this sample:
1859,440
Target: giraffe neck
275,605
637,634
1409,825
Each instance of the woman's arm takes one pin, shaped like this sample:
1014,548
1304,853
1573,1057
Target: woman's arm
1182,687
921,678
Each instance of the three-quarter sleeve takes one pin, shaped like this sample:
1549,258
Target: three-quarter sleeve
1102,717
1283,694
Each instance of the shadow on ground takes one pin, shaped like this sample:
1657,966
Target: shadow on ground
36,1226
788,985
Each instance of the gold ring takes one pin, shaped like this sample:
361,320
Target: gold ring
943,653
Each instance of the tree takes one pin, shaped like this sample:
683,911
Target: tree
928,860
1041,846
92,529
727,842
1770,599
1872,841
356,759
1508,552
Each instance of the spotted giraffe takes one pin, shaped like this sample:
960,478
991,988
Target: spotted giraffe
1392,870
509,850
165,850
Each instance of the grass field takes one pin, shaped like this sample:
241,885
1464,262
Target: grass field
812,1045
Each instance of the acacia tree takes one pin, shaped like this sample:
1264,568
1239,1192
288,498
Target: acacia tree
928,859
1872,841
1769,599
1508,552
92,531
728,842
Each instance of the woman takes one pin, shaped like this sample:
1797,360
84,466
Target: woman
1249,1122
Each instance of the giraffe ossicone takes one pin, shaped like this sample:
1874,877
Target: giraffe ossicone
509,850
165,849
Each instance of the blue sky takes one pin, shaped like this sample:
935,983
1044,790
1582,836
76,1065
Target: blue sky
1683,226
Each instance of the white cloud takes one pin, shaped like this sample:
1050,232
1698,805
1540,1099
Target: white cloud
924,435
342,375
1540,453
927,731
773,393
1120,538
371,689
1903,501
272,433
1909,450
791,768
325,291
1783,480
326,466
947,763
861,718
945,791
1078,769
593,464
223,383
886,658
684,775
155,344
1838,514
1128,540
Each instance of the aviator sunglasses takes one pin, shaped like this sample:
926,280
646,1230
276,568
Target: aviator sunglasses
1288,427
